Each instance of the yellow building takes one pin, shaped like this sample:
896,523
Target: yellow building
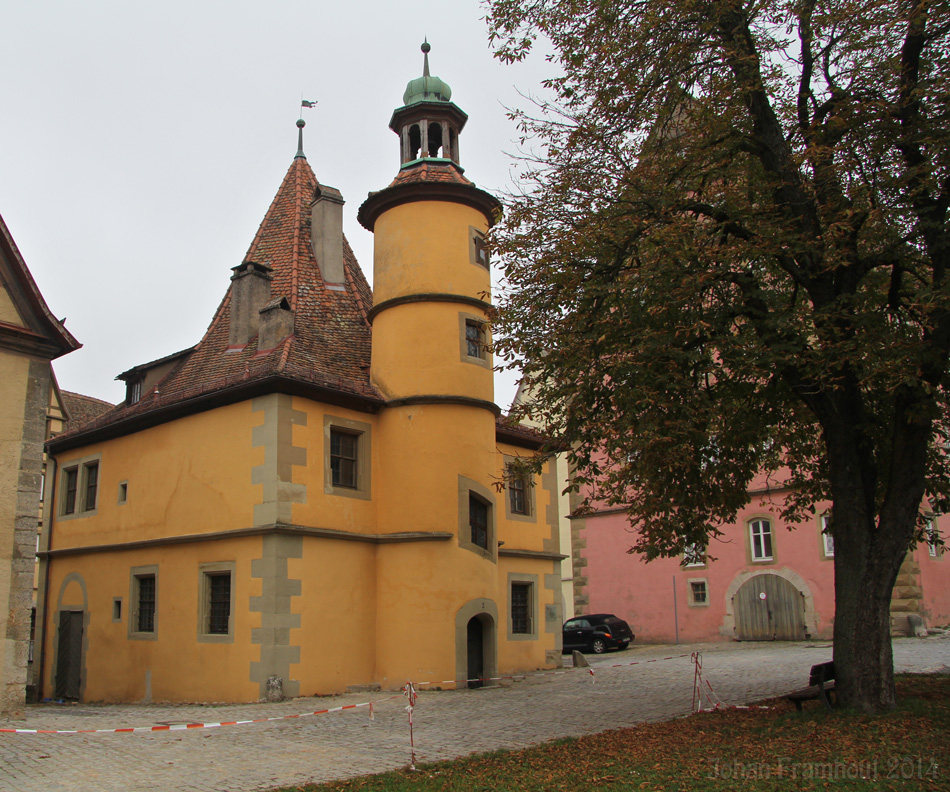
317,494
30,337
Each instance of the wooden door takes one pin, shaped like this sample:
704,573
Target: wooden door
69,655
476,652
769,608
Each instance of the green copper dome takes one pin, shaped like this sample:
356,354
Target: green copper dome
426,88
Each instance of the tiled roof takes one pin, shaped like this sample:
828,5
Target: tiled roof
82,409
330,345
430,171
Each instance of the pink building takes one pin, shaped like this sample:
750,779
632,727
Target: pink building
759,581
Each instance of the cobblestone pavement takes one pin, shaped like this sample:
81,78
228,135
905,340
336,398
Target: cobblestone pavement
625,690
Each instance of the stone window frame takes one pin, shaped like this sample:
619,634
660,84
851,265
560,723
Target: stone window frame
771,558
478,252
363,433
524,579
80,467
691,553
827,540
136,574
468,488
529,494
932,530
691,599
206,572
465,319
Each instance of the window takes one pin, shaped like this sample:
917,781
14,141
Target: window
142,619
827,540
476,518
146,590
518,487
478,521
474,341
347,457
79,493
516,494
133,390
216,602
479,248
694,555
343,458
474,338
933,537
698,593
219,603
761,535
70,485
521,608
123,492
91,471
117,609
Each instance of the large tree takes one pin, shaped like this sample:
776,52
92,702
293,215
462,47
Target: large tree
730,258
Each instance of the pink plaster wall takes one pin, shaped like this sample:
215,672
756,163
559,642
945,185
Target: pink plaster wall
643,593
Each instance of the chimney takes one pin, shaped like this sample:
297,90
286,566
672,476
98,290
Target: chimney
250,291
326,233
277,322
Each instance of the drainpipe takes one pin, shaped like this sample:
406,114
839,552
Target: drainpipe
44,591
676,620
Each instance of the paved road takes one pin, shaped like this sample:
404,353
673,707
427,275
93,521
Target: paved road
626,689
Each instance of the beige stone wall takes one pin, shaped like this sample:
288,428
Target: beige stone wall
24,392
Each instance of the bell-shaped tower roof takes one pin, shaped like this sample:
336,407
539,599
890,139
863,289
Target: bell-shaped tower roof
428,125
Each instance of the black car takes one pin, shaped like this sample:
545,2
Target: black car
596,632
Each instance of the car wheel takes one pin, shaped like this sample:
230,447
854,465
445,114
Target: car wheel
599,646
623,646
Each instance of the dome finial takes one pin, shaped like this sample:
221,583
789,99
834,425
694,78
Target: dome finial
426,46
300,125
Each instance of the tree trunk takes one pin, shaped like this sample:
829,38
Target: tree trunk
870,546
864,664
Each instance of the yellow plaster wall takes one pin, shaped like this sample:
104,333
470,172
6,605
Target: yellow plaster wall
179,666
189,476
330,511
337,609
422,247
417,349
422,450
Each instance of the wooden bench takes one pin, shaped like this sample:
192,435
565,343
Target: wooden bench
821,682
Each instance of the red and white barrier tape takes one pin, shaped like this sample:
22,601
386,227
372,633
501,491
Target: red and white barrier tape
210,725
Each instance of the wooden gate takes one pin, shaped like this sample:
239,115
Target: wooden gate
769,608
69,655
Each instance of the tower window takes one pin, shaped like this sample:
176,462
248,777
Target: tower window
415,142
435,139
475,338
478,521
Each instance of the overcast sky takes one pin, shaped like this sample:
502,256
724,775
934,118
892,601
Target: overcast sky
141,144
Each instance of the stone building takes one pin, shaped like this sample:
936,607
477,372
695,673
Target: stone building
30,337
319,493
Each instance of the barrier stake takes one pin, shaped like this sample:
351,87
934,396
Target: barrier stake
411,694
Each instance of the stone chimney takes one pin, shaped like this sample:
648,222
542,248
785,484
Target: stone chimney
326,233
277,322
250,291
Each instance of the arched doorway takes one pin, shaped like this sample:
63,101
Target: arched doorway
769,608
475,645
476,651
